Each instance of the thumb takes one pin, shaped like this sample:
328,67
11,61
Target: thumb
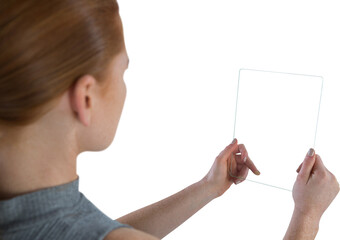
229,150
307,166
319,166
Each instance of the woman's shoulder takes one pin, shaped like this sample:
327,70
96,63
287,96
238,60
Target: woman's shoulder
129,233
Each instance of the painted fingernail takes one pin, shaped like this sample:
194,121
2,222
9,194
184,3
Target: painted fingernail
311,152
237,182
258,172
234,141
244,159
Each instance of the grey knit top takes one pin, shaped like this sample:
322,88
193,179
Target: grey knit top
59,212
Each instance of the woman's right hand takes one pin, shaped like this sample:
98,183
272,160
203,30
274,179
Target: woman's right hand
315,187
314,190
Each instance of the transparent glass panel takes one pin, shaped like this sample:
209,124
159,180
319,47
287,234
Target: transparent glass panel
276,119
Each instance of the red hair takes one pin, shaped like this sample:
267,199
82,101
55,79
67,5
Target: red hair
45,46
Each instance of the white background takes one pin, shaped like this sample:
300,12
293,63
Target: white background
271,106
179,111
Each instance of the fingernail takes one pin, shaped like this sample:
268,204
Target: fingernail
257,172
237,182
311,152
234,141
244,159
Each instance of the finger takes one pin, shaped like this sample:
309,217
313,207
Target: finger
318,165
299,168
239,160
244,153
249,163
246,160
232,166
242,174
307,166
228,150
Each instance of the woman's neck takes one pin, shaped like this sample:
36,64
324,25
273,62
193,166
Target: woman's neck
31,161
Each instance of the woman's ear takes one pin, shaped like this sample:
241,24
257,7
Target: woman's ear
81,98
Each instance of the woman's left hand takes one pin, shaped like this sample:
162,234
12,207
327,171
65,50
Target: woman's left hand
229,168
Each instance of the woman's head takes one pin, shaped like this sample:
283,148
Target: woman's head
62,52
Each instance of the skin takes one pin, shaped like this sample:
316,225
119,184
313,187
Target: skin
314,190
86,119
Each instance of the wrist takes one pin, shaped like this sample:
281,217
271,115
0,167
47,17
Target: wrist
307,220
303,225
210,191
309,216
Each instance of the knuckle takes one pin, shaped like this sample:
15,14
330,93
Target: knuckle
323,176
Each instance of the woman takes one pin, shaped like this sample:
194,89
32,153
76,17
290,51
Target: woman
62,93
